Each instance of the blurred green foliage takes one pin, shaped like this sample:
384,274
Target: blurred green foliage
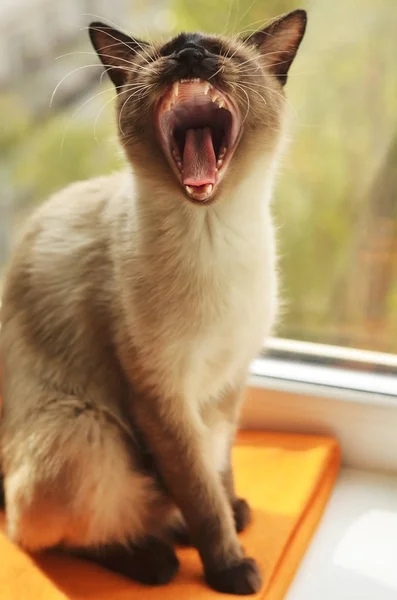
229,16
44,155
337,238
16,125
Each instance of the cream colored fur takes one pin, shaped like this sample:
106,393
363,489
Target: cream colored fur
206,300
130,316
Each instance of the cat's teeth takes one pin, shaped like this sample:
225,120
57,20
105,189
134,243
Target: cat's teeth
178,162
175,88
215,98
203,195
187,80
206,87
213,95
221,157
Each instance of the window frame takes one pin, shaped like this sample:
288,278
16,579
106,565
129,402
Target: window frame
309,392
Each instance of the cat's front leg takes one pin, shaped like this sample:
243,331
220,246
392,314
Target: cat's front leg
176,437
221,420
230,411
240,507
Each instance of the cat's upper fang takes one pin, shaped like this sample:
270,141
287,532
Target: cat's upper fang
175,88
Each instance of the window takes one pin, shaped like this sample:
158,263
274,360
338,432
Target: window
336,198
331,367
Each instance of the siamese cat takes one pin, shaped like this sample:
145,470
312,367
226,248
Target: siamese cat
133,305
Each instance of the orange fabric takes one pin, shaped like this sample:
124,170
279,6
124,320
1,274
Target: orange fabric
286,478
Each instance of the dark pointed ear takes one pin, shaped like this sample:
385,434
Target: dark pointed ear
279,42
115,49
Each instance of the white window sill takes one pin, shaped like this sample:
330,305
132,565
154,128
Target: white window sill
358,408
353,555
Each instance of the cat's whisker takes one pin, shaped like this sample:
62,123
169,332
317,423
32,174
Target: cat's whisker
279,94
252,33
106,20
144,50
262,24
107,90
104,72
247,87
248,103
156,51
119,41
76,112
276,130
120,29
126,89
229,12
246,12
124,104
130,70
68,75
221,68
236,17
254,59
99,114
77,52
119,59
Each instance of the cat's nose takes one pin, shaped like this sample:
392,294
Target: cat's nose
191,54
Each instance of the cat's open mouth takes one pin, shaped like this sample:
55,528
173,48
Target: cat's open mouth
199,128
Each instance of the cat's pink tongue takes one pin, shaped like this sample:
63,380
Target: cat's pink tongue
199,160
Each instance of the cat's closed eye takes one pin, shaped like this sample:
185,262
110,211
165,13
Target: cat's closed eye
215,48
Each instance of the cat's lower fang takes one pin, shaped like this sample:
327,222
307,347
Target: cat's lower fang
177,158
222,153
221,156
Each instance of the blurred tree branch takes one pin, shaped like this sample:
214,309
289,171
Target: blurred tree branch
365,288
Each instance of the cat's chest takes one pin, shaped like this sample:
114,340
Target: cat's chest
217,307
210,287
214,347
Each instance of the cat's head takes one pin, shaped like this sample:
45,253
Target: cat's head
190,109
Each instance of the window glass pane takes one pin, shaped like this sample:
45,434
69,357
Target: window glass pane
336,199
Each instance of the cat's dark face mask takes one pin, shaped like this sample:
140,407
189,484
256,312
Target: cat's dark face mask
186,106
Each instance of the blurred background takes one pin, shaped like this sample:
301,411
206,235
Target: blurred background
336,199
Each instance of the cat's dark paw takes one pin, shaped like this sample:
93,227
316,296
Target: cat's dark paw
242,514
155,563
152,563
242,579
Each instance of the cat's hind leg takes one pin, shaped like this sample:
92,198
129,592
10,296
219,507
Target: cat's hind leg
69,476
